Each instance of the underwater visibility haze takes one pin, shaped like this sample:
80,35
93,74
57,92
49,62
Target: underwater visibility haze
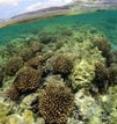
60,70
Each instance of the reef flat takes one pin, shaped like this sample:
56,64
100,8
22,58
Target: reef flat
61,70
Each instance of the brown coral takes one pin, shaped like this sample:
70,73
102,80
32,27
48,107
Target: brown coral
36,61
27,79
26,54
13,94
113,73
1,76
62,65
101,79
13,65
104,46
47,37
56,103
36,46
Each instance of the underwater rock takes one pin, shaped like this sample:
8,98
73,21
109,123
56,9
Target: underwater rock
110,105
5,108
14,119
113,73
87,105
62,65
27,80
82,75
55,103
28,117
27,101
57,79
13,65
95,120
40,121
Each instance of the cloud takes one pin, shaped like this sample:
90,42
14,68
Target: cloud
9,2
46,4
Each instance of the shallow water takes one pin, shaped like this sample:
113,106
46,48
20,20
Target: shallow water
105,21
60,70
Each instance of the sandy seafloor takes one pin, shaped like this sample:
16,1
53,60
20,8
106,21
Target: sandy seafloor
60,70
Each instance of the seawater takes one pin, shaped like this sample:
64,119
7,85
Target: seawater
105,21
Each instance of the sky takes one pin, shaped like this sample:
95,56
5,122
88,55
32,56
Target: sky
9,8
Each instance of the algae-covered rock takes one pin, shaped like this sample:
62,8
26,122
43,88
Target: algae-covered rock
4,109
40,121
109,104
74,121
87,105
14,119
28,117
83,74
27,101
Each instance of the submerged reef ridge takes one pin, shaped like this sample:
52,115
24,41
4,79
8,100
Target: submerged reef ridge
59,75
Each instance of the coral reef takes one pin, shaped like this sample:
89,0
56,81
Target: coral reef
101,79
88,108
27,79
83,74
1,76
62,65
13,65
58,75
36,62
26,54
47,37
113,73
104,46
35,46
13,94
56,103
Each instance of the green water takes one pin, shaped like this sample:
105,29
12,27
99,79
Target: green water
105,21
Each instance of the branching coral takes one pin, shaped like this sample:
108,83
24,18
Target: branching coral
35,46
47,37
101,79
36,61
56,103
27,79
113,73
103,45
62,65
13,94
13,65
26,54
